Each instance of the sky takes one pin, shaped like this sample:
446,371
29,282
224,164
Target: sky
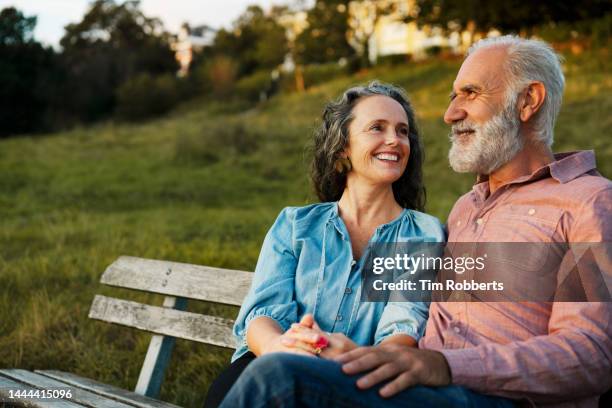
53,15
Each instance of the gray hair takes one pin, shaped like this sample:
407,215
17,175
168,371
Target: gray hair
527,61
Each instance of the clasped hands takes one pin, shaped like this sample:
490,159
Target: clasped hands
393,363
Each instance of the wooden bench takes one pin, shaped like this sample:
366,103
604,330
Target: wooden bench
178,282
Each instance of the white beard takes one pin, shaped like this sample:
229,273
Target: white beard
492,144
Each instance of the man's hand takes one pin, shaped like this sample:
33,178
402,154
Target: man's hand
402,366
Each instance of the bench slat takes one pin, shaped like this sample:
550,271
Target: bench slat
7,384
79,396
168,322
226,286
109,391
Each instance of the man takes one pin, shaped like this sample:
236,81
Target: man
503,106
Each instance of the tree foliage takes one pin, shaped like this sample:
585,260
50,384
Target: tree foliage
112,43
28,73
325,38
256,41
509,15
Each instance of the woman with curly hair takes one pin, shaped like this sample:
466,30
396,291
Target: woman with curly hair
306,293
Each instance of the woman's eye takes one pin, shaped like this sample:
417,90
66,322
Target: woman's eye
403,131
376,128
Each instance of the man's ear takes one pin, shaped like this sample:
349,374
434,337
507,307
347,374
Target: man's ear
534,98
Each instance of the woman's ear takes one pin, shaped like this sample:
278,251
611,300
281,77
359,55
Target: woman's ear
534,98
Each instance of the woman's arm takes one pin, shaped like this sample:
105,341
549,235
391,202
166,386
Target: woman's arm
264,336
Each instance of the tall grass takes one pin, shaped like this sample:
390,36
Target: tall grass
199,186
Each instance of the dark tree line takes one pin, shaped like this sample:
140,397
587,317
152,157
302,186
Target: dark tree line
45,90
117,61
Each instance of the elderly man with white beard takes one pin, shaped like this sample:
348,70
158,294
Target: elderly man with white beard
503,107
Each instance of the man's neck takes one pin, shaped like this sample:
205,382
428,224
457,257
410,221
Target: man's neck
532,157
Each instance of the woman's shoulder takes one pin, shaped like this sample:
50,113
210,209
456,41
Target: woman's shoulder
428,224
309,213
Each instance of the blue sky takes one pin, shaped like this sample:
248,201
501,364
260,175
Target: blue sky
53,15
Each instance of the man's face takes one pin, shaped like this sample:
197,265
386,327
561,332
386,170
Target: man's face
485,123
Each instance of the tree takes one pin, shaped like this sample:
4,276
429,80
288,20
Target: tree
112,43
509,15
362,21
28,72
256,41
325,38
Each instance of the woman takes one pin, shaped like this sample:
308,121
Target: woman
306,291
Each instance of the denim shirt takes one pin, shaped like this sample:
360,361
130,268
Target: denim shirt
306,266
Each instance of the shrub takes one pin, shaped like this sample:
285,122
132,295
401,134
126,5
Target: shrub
320,73
216,141
218,76
254,86
144,96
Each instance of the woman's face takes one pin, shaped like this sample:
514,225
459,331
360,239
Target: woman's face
378,145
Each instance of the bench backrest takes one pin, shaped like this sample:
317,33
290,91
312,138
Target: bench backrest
178,282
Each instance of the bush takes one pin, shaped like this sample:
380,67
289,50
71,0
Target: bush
217,76
320,73
254,86
393,60
144,96
214,142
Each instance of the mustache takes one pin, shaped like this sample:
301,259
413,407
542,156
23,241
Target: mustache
464,125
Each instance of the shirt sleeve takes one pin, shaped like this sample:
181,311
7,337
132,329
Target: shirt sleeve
407,318
574,360
272,290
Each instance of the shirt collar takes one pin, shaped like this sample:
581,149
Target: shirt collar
566,167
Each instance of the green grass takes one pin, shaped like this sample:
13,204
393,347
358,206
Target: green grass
202,186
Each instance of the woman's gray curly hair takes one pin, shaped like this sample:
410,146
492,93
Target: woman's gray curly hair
331,138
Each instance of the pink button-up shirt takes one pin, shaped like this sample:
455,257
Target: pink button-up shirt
544,353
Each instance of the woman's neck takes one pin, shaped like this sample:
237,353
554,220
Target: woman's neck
368,205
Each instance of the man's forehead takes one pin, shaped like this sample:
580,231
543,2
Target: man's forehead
482,68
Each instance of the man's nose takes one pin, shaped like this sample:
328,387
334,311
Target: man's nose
454,113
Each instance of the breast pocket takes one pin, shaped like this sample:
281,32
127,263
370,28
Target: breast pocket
521,237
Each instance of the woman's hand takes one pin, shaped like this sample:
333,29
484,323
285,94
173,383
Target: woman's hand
279,345
306,334
264,335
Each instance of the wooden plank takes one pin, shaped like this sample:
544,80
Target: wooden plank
167,322
206,283
158,356
109,391
79,395
7,384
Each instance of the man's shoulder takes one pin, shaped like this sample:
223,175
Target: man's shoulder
588,185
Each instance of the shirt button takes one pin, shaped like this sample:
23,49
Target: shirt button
348,290
339,317
531,211
479,221
458,223
353,262
457,329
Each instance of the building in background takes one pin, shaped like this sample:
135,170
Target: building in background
387,27
188,41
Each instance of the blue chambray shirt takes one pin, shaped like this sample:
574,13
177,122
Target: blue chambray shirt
306,266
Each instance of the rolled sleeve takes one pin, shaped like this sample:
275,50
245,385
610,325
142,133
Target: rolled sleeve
407,318
272,292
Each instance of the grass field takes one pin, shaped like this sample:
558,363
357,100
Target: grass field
202,186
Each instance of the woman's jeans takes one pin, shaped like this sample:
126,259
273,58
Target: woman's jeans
290,380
